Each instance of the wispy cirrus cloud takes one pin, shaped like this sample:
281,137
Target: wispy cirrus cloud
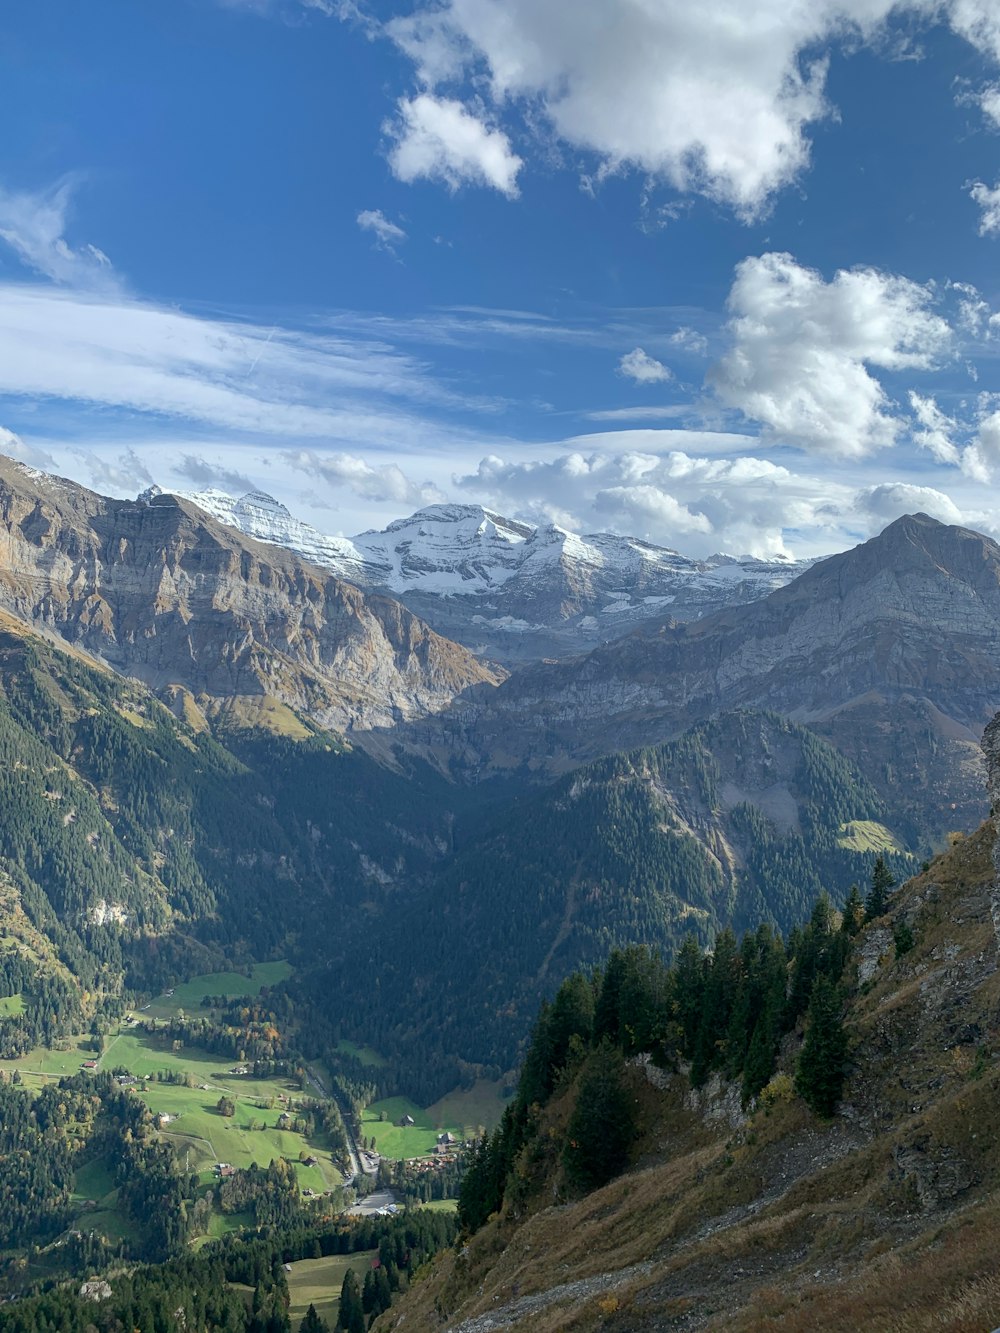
34,224
235,376
387,234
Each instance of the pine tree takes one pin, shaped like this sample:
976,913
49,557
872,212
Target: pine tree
854,912
689,992
312,1322
822,1063
883,882
602,1125
352,1315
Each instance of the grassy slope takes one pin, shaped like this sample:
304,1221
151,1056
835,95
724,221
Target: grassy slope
318,1282
188,995
884,1218
463,1113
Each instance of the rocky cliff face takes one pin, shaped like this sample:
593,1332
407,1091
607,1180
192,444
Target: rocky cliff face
159,591
891,650
510,590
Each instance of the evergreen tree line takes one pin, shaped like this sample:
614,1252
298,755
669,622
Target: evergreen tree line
725,1011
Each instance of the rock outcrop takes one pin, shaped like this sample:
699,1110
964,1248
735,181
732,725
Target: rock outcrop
161,592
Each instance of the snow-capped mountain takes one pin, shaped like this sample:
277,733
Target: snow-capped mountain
508,589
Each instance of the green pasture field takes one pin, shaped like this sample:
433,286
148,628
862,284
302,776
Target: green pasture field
441,1205
365,1054
93,1180
318,1282
202,1136
865,835
188,995
474,1109
42,1063
392,1140
11,1006
462,1112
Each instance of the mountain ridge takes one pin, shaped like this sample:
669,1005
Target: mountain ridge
159,590
902,632
506,588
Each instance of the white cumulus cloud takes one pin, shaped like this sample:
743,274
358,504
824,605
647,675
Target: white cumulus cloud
375,482
437,138
989,207
700,504
802,351
714,98
639,366
890,500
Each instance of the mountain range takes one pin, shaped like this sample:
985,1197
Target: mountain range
509,590
688,775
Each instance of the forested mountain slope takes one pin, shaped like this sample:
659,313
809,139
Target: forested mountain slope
135,847
743,820
881,1216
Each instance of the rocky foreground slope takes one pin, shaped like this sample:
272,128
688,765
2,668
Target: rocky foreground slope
163,593
883,1217
510,590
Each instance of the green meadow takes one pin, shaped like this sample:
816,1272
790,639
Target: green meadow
193,1124
364,1054
395,1141
318,1282
462,1113
188,995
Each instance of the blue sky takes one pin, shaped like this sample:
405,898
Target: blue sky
725,280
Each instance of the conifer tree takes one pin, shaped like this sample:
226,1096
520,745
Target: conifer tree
689,992
878,895
854,912
352,1315
602,1125
312,1322
822,1063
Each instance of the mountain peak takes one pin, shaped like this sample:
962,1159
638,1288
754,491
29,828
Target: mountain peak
261,500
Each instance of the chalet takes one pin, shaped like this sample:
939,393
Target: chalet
406,1122
89,1064
312,1161
240,1069
447,1139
